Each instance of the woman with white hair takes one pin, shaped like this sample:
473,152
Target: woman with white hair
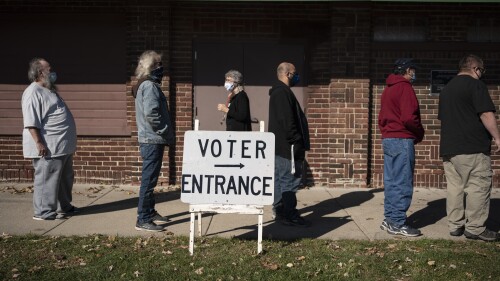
237,107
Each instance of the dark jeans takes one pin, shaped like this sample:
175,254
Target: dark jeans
286,185
399,164
152,157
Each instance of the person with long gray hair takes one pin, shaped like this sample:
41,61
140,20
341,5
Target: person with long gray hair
154,132
237,107
49,139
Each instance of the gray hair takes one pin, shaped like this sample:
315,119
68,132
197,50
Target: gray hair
236,75
146,63
35,69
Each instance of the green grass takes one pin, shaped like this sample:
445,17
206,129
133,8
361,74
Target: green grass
99,257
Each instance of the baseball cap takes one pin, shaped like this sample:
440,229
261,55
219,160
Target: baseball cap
404,63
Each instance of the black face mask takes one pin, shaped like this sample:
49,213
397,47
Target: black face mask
294,80
157,74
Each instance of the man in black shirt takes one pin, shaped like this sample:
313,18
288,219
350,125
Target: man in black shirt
468,124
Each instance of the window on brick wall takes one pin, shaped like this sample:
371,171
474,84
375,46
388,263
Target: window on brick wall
484,30
404,29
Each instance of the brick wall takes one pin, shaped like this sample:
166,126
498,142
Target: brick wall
346,75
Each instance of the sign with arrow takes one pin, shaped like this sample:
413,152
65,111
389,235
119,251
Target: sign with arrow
220,167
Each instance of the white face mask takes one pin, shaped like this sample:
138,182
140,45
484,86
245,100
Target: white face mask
229,86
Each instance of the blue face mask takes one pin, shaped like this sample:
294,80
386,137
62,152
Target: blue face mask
413,78
52,77
295,80
157,74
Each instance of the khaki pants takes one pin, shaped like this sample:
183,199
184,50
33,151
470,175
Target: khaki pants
469,180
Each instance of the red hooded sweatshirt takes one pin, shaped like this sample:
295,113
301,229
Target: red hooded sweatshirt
399,115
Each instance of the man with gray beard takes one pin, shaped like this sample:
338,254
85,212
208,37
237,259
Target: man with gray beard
49,138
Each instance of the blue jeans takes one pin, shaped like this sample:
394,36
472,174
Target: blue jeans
152,157
284,180
399,164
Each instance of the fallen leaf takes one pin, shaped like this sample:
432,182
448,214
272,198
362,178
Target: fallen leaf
300,258
269,265
431,263
453,266
290,265
137,273
199,271
110,268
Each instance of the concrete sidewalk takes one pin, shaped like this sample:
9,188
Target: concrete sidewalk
334,213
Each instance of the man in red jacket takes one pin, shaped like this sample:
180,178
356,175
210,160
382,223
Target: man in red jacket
401,128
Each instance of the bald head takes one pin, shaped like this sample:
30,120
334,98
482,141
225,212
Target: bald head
285,72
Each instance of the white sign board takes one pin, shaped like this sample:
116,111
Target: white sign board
220,167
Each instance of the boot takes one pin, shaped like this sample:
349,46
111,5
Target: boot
289,200
292,217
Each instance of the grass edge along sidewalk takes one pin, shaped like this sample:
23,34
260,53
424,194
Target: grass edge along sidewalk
101,257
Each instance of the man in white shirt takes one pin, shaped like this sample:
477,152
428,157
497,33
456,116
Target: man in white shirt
49,138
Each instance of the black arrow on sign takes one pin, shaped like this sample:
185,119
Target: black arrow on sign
229,165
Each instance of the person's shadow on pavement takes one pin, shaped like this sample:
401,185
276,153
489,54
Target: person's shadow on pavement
321,215
131,203
436,210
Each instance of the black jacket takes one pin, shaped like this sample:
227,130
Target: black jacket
238,116
288,123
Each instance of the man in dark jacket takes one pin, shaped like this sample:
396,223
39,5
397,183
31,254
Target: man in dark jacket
289,125
401,128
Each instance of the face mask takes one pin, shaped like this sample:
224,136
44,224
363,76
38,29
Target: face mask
413,78
52,77
229,86
295,79
157,73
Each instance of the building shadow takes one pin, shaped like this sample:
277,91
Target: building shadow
321,215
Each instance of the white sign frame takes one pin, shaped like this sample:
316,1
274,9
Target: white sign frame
214,207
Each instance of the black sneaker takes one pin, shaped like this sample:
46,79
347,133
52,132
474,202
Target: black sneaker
384,225
65,214
159,218
457,232
148,226
277,216
297,221
487,235
404,230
